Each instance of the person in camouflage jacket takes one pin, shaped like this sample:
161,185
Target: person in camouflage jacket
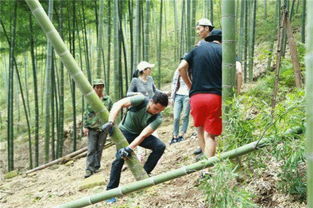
92,127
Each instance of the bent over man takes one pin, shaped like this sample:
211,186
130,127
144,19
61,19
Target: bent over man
141,120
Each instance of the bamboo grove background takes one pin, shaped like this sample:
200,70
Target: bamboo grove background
108,39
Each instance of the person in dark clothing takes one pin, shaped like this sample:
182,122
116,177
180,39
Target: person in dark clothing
205,90
141,120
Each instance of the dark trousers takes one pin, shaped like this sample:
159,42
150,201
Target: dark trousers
152,143
96,141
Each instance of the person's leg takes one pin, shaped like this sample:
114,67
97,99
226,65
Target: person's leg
210,144
117,164
115,174
185,115
200,131
92,149
157,147
177,111
102,136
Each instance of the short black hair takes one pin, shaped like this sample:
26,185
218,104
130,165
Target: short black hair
160,97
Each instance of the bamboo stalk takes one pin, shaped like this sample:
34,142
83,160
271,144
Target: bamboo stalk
309,100
166,176
72,156
293,53
66,157
82,82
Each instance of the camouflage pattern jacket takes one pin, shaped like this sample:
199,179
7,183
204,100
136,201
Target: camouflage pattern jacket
91,118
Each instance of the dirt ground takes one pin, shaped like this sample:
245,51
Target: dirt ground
61,183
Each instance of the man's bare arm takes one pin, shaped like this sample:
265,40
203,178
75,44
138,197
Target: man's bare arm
183,68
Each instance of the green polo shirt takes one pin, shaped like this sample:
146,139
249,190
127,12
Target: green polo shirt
135,122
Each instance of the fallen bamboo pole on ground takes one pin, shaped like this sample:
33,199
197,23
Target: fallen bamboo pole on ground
165,176
74,155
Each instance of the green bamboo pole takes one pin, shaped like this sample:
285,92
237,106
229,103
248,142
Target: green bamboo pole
166,176
82,82
309,100
100,40
229,51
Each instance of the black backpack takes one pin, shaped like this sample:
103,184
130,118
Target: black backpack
138,108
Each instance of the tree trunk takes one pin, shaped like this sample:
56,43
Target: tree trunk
146,33
48,94
309,101
10,132
100,40
278,60
293,53
303,21
229,52
34,67
160,45
86,42
109,49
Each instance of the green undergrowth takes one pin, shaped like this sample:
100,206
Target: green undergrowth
249,119
223,190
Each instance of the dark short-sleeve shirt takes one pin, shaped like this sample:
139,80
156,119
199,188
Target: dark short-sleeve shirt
206,64
135,121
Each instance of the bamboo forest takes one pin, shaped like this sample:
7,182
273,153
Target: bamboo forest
156,103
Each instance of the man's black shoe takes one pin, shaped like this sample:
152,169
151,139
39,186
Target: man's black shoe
197,151
179,139
174,140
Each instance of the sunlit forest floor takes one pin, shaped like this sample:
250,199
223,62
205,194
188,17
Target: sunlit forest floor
62,183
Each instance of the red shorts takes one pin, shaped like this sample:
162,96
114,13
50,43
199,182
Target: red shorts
206,110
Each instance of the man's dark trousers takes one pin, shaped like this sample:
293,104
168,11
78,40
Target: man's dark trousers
152,143
96,141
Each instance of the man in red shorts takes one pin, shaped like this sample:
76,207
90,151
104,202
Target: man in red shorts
205,89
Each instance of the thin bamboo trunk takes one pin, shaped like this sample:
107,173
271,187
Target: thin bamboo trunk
117,52
228,52
83,84
309,101
252,41
100,40
48,94
86,43
278,61
146,32
160,45
303,20
10,132
34,69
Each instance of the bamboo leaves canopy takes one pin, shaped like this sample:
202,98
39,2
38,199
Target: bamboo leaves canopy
82,82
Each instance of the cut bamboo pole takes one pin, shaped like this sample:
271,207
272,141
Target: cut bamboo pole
165,176
74,155
82,82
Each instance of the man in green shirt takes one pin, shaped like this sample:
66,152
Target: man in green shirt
141,120
92,126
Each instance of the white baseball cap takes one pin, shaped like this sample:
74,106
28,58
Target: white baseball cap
143,65
204,22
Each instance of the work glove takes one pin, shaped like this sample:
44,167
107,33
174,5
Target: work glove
108,128
124,153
